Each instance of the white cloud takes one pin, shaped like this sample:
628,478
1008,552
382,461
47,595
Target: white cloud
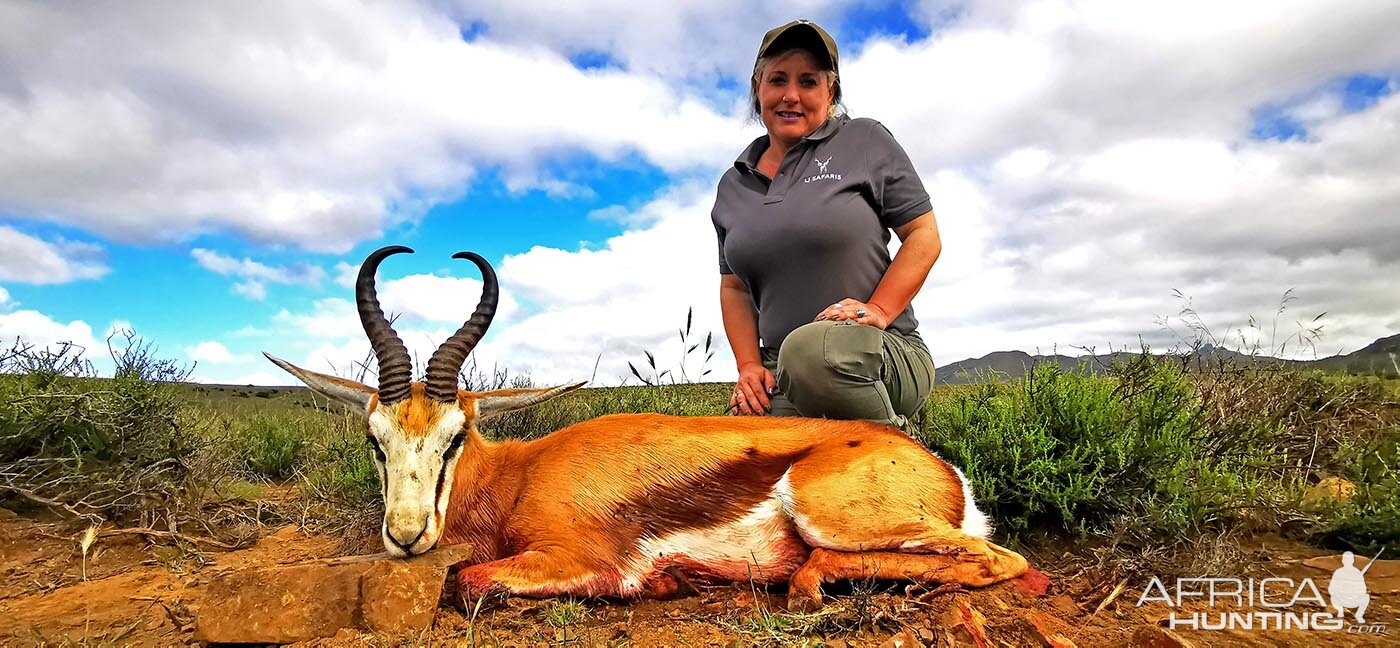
1085,158
426,310
345,274
5,298
43,332
31,260
627,297
686,40
255,276
212,352
314,124
559,309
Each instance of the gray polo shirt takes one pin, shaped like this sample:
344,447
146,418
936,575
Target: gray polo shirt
819,232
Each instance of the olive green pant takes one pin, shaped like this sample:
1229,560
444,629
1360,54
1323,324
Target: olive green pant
844,370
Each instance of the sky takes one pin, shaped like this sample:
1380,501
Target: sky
210,175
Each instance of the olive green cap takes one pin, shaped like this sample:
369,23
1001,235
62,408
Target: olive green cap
804,34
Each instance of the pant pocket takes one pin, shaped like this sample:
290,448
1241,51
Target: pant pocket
855,350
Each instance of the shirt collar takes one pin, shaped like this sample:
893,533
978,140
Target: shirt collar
748,160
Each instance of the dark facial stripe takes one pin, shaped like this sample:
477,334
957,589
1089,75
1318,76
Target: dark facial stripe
442,479
452,449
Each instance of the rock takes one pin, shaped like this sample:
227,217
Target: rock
1046,630
1327,494
967,623
280,605
395,597
905,639
1155,637
301,602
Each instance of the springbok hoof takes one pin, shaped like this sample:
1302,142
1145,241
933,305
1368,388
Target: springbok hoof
799,602
473,596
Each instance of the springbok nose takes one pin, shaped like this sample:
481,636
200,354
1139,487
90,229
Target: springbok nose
404,536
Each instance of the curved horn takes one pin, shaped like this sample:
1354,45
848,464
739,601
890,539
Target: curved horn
395,367
448,359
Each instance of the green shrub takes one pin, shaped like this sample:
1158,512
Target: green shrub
1076,452
270,445
343,471
91,447
1167,450
1371,519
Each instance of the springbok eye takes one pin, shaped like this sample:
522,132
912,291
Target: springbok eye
453,447
378,451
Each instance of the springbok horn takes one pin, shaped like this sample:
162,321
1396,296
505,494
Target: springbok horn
395,367
448,359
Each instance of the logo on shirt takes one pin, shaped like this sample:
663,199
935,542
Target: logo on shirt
822,173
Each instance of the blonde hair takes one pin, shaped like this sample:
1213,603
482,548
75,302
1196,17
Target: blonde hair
832,80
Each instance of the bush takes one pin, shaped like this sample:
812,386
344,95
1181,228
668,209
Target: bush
270,445
1167,450
1371,519
1076,452
89,447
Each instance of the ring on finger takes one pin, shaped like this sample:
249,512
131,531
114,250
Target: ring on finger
860,312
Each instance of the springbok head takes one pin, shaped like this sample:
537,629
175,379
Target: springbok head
420,431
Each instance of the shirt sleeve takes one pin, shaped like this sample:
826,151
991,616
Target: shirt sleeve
899,195
720,233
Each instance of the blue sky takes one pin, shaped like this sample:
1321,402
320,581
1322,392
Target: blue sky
208,182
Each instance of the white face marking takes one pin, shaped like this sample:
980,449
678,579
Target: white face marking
410,469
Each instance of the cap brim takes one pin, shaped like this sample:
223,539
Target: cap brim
800,36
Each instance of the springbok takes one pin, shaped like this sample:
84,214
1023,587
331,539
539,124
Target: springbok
640,504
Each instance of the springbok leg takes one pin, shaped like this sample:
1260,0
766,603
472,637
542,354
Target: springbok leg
535,574
968,561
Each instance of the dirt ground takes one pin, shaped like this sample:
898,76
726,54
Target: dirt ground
142,590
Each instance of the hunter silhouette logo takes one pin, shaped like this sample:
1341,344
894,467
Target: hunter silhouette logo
1348,587
822,172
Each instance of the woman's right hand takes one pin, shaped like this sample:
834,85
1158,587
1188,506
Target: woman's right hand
751,391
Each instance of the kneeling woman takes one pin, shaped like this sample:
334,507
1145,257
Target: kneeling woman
816,311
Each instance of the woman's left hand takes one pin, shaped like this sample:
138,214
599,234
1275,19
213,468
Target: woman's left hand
855,311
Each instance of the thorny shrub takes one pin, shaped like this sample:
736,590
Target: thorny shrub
98,449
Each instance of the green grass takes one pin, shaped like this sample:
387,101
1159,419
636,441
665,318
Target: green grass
269,444
1150,456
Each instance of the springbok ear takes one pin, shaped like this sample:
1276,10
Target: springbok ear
495,403
341,390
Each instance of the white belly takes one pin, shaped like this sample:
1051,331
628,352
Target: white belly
763,546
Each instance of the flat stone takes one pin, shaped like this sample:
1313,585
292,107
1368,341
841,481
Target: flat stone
280,604
402,595
305,601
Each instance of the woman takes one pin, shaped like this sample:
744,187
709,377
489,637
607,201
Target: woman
816,311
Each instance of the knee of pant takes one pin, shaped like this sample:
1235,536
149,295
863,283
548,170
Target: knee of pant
823,350
802,354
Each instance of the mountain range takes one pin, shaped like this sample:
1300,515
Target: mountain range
1379,358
